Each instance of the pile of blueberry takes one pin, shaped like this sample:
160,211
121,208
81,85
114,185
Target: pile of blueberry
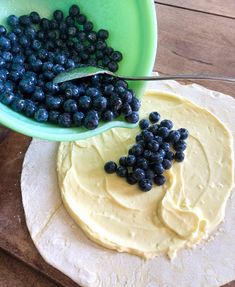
37,49
156,147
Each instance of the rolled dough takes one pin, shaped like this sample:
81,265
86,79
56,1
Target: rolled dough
63,245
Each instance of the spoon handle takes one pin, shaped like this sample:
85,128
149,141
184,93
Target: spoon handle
179,77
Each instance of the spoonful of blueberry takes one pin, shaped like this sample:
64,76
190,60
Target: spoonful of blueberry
88,71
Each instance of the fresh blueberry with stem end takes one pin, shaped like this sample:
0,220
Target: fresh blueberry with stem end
137,150
153,146
18,105
38,95
100,104
74,10
78,118
138,174
142,163
121,171
113,66
53,103
36,45
12,20
26,86
7,56
147,136
169,155
72,31
84,102
57,69
108,51
145,185
92,37
154,117
159,180
166,164
179,156
91,122
167,123
65,120
34,17
173,136
5,44
110,167
2,30
158,168
183,133
107,116
7,98
24,20
103,34
131,179
149,174
165,146
126,109
130,160
180,145
135,104
30,108
100,45
52,87
144,124
163,132
88,26
116,56
41,115
122,161
70,106
133,118
53,117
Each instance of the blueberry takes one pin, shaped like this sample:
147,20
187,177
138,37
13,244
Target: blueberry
108,50
57,69
2,30
2,87
167,123
99,55
107,116
113,66
153,146
60,59
149,174
18,59
88,26
38,94
30,108
144,124
3,74
45,24
92,37
70,106
7,56
93,92
2,62
36,66
81,19
65,120
162,152
169,155
110,167
69,64
156,158
5,44
165,146
100,104
72,31
142,163
126,109
103,34
139,174
122,161
154,117
147,136
147,154
7,98
179,156
131,179
180,145
26,86
34,17
120,90
42,54
166,164
12,20
24,20
14,76
121,171
116,56
30,33
78,118
41,115
52,87
145,184
163,132
91,122
173,136
84,102
135,104
15,49
58,15
138,138
159,180
183,133
127,97
100,45
48,75
53,117
132,118
116,103
36,45
53,103
130,160
137,149
158,168
105,60
18,105
12,37
47,66
17,31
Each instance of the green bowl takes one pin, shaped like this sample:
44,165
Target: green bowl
133,31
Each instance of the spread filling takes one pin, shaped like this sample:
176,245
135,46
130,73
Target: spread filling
178,214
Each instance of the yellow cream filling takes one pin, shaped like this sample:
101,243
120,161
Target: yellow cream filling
180,213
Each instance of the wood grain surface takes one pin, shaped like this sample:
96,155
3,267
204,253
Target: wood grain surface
194,36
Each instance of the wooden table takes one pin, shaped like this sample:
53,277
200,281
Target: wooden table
194,36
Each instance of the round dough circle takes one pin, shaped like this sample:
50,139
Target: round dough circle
63,245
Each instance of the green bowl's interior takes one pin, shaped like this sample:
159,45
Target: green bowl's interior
133,31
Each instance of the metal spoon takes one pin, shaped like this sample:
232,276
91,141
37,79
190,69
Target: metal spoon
83,72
